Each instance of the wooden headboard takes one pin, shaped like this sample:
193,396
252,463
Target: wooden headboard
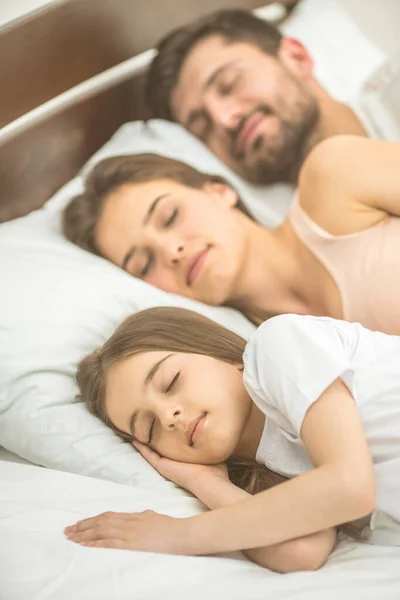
50,52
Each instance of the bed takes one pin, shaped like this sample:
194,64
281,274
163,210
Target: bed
67,43
80,84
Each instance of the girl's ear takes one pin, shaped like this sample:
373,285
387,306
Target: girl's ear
222,193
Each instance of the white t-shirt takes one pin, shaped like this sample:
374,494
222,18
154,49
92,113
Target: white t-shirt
291,360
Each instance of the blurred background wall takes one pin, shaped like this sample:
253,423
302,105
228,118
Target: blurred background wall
378,19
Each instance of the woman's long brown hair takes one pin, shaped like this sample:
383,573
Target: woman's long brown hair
175,330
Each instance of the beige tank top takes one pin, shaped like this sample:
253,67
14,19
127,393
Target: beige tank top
365,267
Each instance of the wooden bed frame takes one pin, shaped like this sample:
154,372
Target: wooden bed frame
52,51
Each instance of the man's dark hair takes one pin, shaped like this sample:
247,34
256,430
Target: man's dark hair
232,25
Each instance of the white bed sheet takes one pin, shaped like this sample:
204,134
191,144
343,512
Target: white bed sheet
38,563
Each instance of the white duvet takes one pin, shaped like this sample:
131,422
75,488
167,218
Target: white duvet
38,563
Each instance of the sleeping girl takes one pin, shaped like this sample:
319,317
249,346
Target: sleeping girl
290,439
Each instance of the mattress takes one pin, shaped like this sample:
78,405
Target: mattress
38,563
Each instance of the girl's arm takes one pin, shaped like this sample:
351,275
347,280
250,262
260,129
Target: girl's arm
302,554
339,489
350,183
212,486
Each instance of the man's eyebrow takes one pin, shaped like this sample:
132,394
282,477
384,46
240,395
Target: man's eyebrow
146,219
154,369
195,113
215,74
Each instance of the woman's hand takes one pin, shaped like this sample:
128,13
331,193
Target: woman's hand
146,531
188,475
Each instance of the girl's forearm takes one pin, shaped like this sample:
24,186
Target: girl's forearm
218,492
317,500
302,554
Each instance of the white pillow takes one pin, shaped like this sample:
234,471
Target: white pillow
380,99
268,204
344,57
57,303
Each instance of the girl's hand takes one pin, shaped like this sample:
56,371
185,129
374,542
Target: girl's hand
187,475
146,531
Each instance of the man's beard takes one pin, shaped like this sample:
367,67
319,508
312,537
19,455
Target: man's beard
264,164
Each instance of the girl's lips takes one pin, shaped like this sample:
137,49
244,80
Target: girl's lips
195,265
195,428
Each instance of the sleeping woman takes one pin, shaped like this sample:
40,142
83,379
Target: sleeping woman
289,439
336,254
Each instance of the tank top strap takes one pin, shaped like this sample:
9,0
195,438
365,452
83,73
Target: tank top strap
305,227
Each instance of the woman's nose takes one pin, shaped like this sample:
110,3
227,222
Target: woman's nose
172,252
177,254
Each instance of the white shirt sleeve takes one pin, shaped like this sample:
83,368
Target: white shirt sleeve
289,362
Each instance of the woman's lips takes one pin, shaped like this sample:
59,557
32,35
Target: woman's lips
196,428
195,265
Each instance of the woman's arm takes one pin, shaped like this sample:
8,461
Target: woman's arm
349,183
303,554
339,489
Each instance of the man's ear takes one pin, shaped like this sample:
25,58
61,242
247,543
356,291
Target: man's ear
221,192
295,56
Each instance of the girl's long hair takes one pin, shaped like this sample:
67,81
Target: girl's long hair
175,330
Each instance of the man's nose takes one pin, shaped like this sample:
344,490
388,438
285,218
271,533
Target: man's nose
225,113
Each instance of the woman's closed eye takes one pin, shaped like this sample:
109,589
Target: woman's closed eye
171,219
150,260
148,265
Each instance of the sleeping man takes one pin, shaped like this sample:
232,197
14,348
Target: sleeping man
248,93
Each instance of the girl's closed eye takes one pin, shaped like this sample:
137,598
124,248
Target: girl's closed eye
153,422
151,431
172,383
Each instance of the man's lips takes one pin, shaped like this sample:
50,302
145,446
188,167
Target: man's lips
195,429
195,264
249,131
